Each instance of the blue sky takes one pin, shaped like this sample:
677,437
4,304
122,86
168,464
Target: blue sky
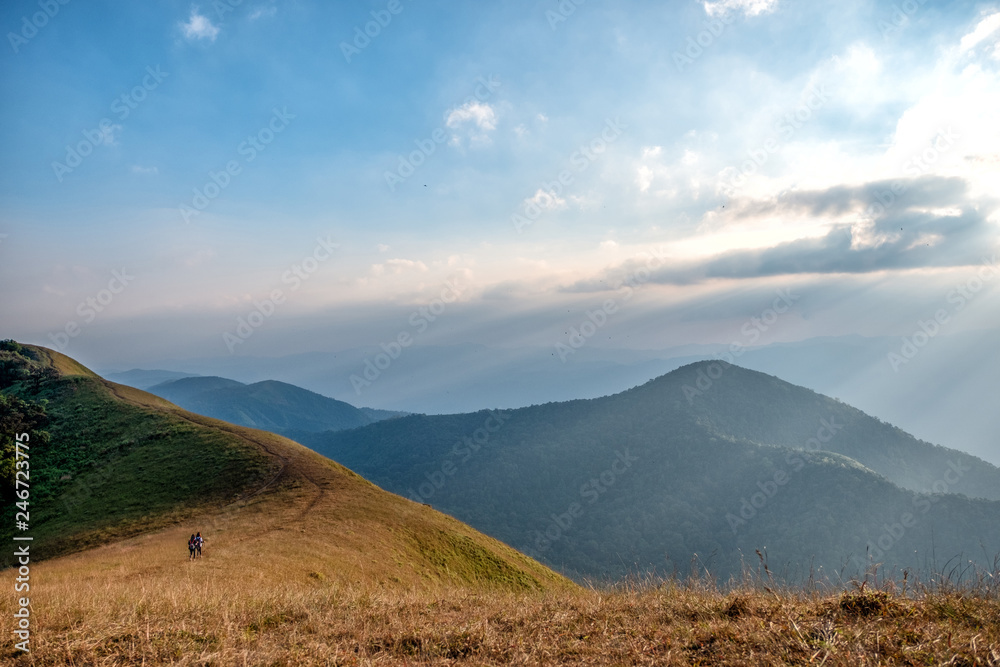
848,151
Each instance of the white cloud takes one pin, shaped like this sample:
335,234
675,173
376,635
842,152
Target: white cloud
199,26
109,134
546,200
478,117
644,178
480,113
139,169
397,266
748,7
263,12
382,247
983,30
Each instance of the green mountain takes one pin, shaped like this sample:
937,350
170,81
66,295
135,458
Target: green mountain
107,464
269,405
144,379
710,462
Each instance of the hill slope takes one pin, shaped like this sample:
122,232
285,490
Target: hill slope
647,478
109,462
270,405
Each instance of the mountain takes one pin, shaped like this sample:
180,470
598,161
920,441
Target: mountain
710,461
270,405
935,395
144,379
132,475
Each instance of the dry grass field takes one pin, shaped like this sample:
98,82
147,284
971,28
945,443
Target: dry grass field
248,601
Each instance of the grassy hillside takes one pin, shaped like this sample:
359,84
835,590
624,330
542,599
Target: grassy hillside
645,481
120,462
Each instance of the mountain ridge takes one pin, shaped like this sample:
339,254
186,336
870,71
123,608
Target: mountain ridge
120,464
702,487
270,405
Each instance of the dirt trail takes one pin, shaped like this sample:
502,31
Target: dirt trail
112,387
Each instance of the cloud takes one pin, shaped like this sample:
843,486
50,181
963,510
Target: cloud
263,12
748,7
643,178
545,200
479,119
928,223
397,266
199,26
109,134
983,30
382,247
139,169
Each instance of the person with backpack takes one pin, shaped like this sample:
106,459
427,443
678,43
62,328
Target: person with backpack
198,541
192,545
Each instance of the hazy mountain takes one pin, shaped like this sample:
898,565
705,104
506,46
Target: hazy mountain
937,395
144,379
270,405
108,462
711,460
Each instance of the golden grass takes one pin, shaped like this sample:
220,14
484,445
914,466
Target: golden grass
143,603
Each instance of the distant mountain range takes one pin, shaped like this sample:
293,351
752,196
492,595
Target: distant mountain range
938,395
144,379
710,460
270,405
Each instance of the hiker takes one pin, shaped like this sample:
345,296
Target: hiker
192,545
198,541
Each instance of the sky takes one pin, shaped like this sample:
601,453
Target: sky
265,177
